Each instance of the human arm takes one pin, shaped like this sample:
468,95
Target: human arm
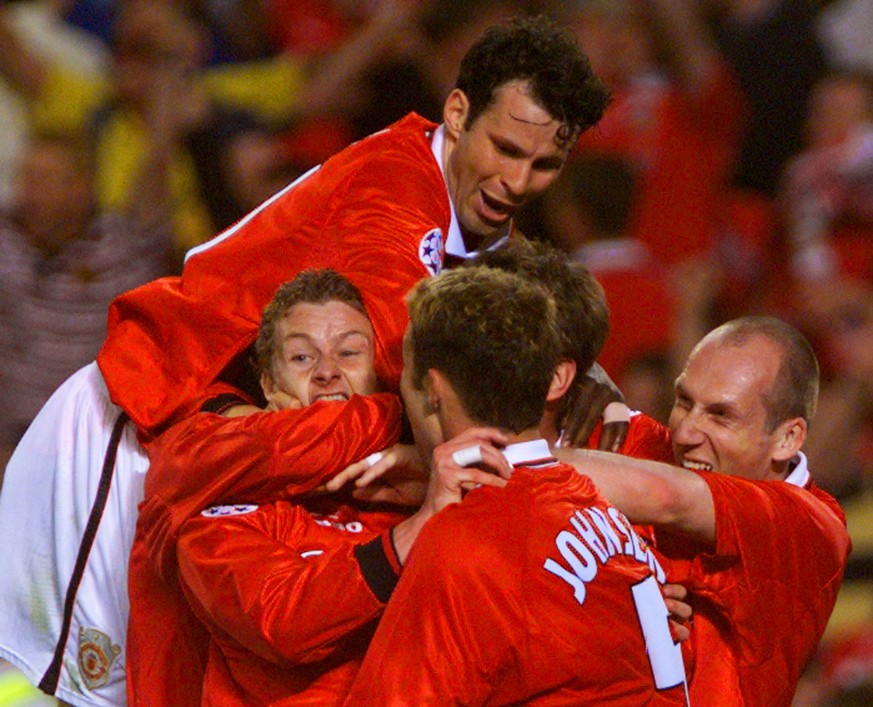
171,107
649,493
208,460
365,214
24,70
693,52
587,405
279,581
449,481
445,483
287,88
400,475
334,78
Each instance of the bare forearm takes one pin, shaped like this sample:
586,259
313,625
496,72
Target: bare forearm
336,76
649,492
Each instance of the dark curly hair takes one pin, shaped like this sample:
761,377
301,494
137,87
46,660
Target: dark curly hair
536,50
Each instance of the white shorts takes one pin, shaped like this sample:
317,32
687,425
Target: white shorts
64,612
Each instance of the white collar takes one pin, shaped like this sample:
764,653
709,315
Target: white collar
799,475
535,452
454,240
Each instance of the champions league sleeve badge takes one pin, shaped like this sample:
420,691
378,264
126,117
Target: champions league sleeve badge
238,509
430,251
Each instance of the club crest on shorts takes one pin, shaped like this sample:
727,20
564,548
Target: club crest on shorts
237,509
430,251
96,655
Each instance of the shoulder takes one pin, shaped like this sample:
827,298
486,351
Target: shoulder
811,519
399,149
648,439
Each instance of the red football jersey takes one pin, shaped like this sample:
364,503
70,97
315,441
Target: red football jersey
763,596
537,593
377,212
206,460
282,593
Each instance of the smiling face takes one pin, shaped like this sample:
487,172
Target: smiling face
325,352
510,153
719,418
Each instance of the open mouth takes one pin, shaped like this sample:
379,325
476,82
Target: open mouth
495,211
696,466
332,397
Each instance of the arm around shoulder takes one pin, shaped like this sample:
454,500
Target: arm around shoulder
650,492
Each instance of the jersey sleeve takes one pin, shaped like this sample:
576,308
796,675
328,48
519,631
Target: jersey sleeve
433,645
255,578
646,439
375,212
209,460
776,568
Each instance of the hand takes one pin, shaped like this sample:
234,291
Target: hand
449,481
400,476
680,611
587,400
280,400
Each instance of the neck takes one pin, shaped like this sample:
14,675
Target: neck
472,241
528,435
548,429
778,471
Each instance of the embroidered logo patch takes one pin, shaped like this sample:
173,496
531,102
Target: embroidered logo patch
430,251
96,655
238,509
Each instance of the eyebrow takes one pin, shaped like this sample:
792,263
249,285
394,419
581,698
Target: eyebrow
341,337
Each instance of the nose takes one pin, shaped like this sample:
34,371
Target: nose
516,179
326,370
684,427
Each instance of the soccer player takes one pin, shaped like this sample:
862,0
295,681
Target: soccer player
288,590
759,546
485,611
384,212
768,547
315,355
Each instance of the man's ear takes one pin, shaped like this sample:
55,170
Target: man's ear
267,385
562,379
455,111
791,435
433,385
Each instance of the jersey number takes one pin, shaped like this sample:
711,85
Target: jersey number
665,656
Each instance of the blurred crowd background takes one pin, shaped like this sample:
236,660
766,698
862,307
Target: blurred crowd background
732,174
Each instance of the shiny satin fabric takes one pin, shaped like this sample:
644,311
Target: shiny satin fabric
367,212
209,460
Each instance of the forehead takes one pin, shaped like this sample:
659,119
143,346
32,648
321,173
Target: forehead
740,373
516,116
332,317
